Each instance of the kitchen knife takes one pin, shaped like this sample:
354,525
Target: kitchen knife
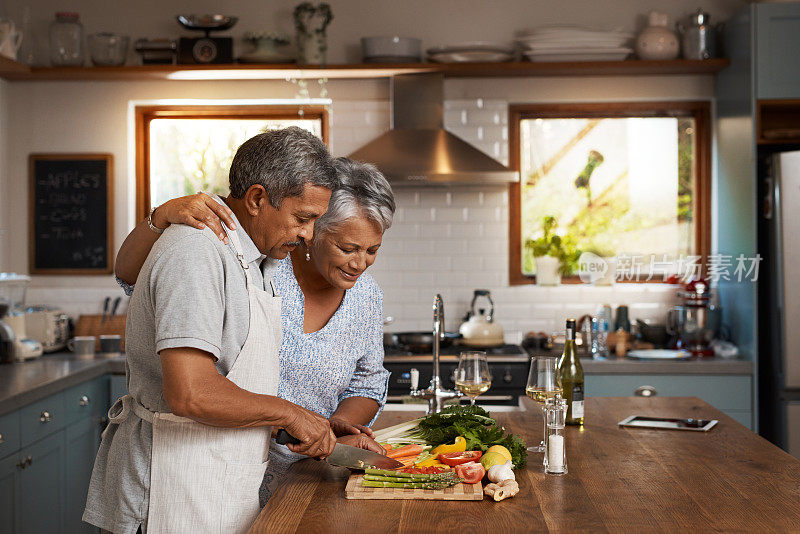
346,455
106,302
115,306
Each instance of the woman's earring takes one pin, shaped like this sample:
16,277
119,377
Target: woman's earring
308,254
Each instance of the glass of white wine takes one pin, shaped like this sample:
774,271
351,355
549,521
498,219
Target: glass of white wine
472,375
543,384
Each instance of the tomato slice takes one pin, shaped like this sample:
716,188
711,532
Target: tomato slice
470,473
458,458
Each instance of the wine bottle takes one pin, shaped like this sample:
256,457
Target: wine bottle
571,374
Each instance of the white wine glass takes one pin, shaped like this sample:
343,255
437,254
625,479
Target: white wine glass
472,374
543,384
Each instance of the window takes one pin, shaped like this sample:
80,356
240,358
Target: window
628,180
184,149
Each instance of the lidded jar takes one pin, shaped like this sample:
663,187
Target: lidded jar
66,40
657,41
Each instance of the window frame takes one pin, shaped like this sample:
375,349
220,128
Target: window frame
699,110
146,113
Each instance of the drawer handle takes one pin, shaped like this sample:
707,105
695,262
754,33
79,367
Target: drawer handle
84,401
2,439
25,462
645,391
45,417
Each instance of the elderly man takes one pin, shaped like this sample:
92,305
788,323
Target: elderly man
186,450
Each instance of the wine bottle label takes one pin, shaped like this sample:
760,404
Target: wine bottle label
570,334
577,401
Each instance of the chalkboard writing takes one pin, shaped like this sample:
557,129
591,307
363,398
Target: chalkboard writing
71,213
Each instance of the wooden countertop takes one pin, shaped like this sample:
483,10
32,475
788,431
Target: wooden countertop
620,480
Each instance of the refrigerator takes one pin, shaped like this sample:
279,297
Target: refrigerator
779,297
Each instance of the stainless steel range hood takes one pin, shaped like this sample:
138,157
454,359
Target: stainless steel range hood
418,150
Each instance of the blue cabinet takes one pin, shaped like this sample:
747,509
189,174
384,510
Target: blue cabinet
731,394
41,485
47,452
777,42
9,494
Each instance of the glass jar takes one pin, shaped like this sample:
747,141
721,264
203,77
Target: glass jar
66,41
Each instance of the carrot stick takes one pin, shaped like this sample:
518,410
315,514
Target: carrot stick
387,446
406,450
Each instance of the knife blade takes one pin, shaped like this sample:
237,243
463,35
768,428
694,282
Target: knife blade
115,306
347,455
106,302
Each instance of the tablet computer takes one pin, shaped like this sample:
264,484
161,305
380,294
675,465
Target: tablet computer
669,423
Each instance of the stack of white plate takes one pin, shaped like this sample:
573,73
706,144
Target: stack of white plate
474,52
574,43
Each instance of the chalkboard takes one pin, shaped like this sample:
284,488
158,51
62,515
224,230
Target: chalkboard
71,213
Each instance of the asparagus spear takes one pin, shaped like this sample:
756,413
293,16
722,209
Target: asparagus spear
413,477
407,485
377,478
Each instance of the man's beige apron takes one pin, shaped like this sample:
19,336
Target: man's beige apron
204,478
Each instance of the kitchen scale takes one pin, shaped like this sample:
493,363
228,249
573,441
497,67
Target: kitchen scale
205,50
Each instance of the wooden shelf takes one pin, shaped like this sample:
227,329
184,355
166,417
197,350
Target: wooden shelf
13,71
9,68
776,122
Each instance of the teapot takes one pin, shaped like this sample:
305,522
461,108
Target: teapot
10,39
479,328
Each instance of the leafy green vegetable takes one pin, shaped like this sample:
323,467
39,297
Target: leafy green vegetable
477,427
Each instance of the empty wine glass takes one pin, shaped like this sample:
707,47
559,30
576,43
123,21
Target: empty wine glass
472,375
543,384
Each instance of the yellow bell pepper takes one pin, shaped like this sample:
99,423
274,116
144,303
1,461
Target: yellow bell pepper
460,445
433,461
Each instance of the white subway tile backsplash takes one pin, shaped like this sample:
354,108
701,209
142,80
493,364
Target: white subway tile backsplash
452,214
418,247
416,215
465,230
435,263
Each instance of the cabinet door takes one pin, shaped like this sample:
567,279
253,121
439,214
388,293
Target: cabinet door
83,439
9,494
41,494
119,387
777,43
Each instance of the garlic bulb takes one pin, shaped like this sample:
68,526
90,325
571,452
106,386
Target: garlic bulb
501,472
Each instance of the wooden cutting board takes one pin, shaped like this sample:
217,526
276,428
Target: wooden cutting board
459,492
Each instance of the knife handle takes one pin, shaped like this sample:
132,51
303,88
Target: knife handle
283,437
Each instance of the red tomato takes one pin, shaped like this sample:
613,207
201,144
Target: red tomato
458,458
470,473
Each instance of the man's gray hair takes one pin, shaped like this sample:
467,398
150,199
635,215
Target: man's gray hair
282,161
363,191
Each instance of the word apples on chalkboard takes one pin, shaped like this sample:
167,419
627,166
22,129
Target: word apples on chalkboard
71,213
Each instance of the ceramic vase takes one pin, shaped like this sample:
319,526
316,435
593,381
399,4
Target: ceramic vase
657,42
547,271
310,22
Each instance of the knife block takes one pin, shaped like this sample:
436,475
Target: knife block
93,325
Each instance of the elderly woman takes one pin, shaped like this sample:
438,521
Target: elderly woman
331,355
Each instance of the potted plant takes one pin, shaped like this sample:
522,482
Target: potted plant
555,255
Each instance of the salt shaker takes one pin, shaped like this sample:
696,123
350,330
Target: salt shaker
555,454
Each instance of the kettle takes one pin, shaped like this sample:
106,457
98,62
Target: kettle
478,328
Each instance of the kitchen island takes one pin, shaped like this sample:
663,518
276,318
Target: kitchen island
632,480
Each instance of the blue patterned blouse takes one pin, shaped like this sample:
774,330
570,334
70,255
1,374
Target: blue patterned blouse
343,359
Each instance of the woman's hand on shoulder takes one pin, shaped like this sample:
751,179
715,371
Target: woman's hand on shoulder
198,210
362,441
341,427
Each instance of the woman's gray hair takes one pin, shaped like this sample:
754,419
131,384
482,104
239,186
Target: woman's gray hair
282,161
363,190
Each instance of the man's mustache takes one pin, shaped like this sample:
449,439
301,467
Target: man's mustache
293,243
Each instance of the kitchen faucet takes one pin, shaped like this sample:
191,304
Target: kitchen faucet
435,395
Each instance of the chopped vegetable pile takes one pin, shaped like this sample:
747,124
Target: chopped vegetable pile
478,429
